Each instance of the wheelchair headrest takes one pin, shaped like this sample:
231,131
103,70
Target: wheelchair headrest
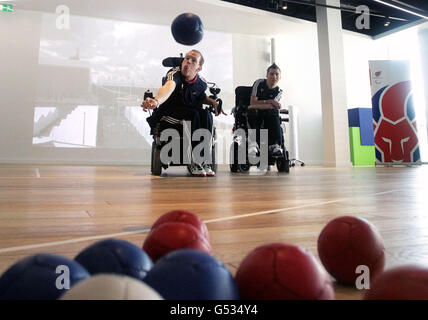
243,95
172,62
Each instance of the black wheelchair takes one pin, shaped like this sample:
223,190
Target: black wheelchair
156,130
240,137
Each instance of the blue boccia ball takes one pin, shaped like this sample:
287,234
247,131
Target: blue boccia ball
190,274
40,277
187,29
115,256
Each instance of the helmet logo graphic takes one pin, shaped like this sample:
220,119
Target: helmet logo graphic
394,124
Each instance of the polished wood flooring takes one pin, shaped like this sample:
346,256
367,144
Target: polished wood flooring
63,209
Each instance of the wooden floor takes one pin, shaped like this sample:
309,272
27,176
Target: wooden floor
63,209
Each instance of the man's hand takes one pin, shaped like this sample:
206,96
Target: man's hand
255,103
215,105
275,104
149,103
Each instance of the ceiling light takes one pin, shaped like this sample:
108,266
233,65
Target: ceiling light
402,9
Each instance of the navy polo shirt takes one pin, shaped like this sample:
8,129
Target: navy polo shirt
262,91
190,94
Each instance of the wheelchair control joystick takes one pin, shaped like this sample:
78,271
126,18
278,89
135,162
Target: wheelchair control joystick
148,94
214,95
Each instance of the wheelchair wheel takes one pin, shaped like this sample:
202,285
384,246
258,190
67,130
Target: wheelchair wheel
214,163
156,162
151,161
244,168
234,157
214,151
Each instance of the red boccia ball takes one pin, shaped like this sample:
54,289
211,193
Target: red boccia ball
348,242
280,271
402,283
171,236
185,217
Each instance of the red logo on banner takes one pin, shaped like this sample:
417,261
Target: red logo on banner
395,130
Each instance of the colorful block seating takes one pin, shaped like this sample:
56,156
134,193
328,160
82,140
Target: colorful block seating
361,136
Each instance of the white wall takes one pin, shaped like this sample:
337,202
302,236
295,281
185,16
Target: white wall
297,55
251,30
251,56
359,50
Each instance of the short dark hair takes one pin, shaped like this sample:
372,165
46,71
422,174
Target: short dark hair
201,60
273,66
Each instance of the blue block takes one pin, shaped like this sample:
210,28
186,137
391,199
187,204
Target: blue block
363,118
353,117
366,126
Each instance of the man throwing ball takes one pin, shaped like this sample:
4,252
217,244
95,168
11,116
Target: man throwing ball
181,98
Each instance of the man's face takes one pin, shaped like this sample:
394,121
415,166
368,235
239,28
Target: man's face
190,66
273,77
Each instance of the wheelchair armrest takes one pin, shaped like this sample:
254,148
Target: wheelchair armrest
284,119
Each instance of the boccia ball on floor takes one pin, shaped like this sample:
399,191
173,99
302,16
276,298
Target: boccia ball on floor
115,256
348,242
171,236
187,29
40,277
185,217
409,282
111,287
192,275
280,271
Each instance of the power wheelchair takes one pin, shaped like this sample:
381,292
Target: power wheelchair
156,129
240,141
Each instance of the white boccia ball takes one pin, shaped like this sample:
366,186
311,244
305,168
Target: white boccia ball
111,287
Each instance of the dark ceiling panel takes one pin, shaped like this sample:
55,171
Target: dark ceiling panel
382,17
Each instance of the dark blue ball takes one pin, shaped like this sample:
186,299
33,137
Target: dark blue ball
187,29
115,256
192,275
38,277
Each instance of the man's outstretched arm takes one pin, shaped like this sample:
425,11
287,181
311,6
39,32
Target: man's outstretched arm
163,94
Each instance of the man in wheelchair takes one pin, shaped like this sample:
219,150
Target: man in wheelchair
181,98
264,108
257,108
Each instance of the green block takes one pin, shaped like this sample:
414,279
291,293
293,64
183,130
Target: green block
360,155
